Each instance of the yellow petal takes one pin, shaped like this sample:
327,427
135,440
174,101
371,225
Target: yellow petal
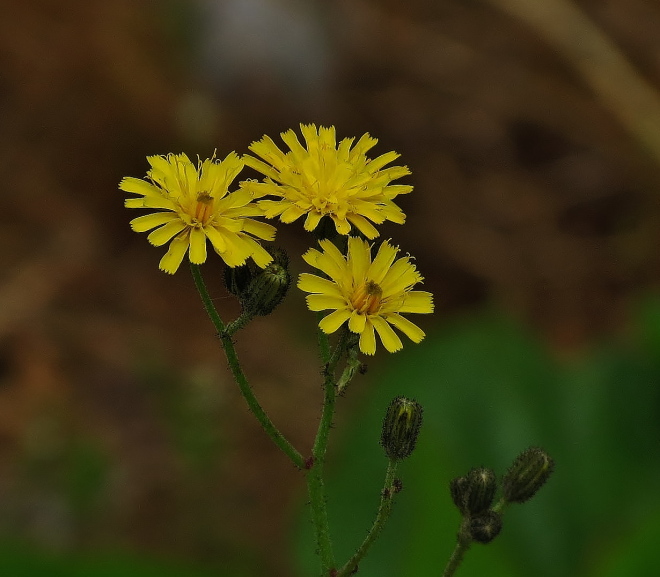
382,262
273,208
368,340
197,252
259,229
393,213
322,302
410,329
341,224
363,145
401,277
237,251
334,320
138,186
173,257
330,261
390,339
312,220
151,202
380,161
149,221
217,239
416,302
291,140
161,235
314,284
357,322
260,166
259,255
292,213
359,257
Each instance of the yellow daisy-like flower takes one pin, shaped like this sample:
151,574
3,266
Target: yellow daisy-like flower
368,294
323,179
195,206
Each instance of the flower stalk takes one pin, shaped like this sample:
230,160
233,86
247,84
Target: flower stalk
239,376
385,508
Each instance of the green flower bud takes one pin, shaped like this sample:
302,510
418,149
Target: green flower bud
485,526
268,287
529,472
237,279
474,493
401,425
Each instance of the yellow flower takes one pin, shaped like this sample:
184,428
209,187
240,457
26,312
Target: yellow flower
195,205
323,179
368,294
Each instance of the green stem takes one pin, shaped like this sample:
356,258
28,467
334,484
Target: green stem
236,325
499,506
315,484
239,376
384,510
462,545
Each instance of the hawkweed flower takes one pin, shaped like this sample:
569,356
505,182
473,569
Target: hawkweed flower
194,205
323,179
369,295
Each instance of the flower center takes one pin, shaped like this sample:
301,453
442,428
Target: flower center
325,203
203,208
367,298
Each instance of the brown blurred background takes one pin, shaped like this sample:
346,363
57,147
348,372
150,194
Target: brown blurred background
534,189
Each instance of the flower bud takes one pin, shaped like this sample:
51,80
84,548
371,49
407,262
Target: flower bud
237,279
529,472
485,526
268,287
401,425
474,493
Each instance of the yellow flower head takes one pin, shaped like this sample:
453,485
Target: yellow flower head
323,179
195,205
368,294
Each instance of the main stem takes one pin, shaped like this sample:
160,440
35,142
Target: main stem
315,484
384,510
240,378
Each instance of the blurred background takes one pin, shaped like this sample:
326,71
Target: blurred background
532,130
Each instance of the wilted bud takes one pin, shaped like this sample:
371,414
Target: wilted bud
529,472
485,526
237,279
401,425
268,287
474,492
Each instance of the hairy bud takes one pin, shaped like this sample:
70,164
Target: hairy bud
401,425
485,526
269,286
474,493
237,279
529,472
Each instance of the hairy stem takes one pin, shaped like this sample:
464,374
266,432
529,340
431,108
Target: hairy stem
240,378
384,510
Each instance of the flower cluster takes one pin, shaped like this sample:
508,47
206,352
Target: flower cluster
320,180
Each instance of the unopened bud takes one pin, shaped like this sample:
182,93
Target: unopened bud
529,472
268,287
401,425
474,492
237,279
485,526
